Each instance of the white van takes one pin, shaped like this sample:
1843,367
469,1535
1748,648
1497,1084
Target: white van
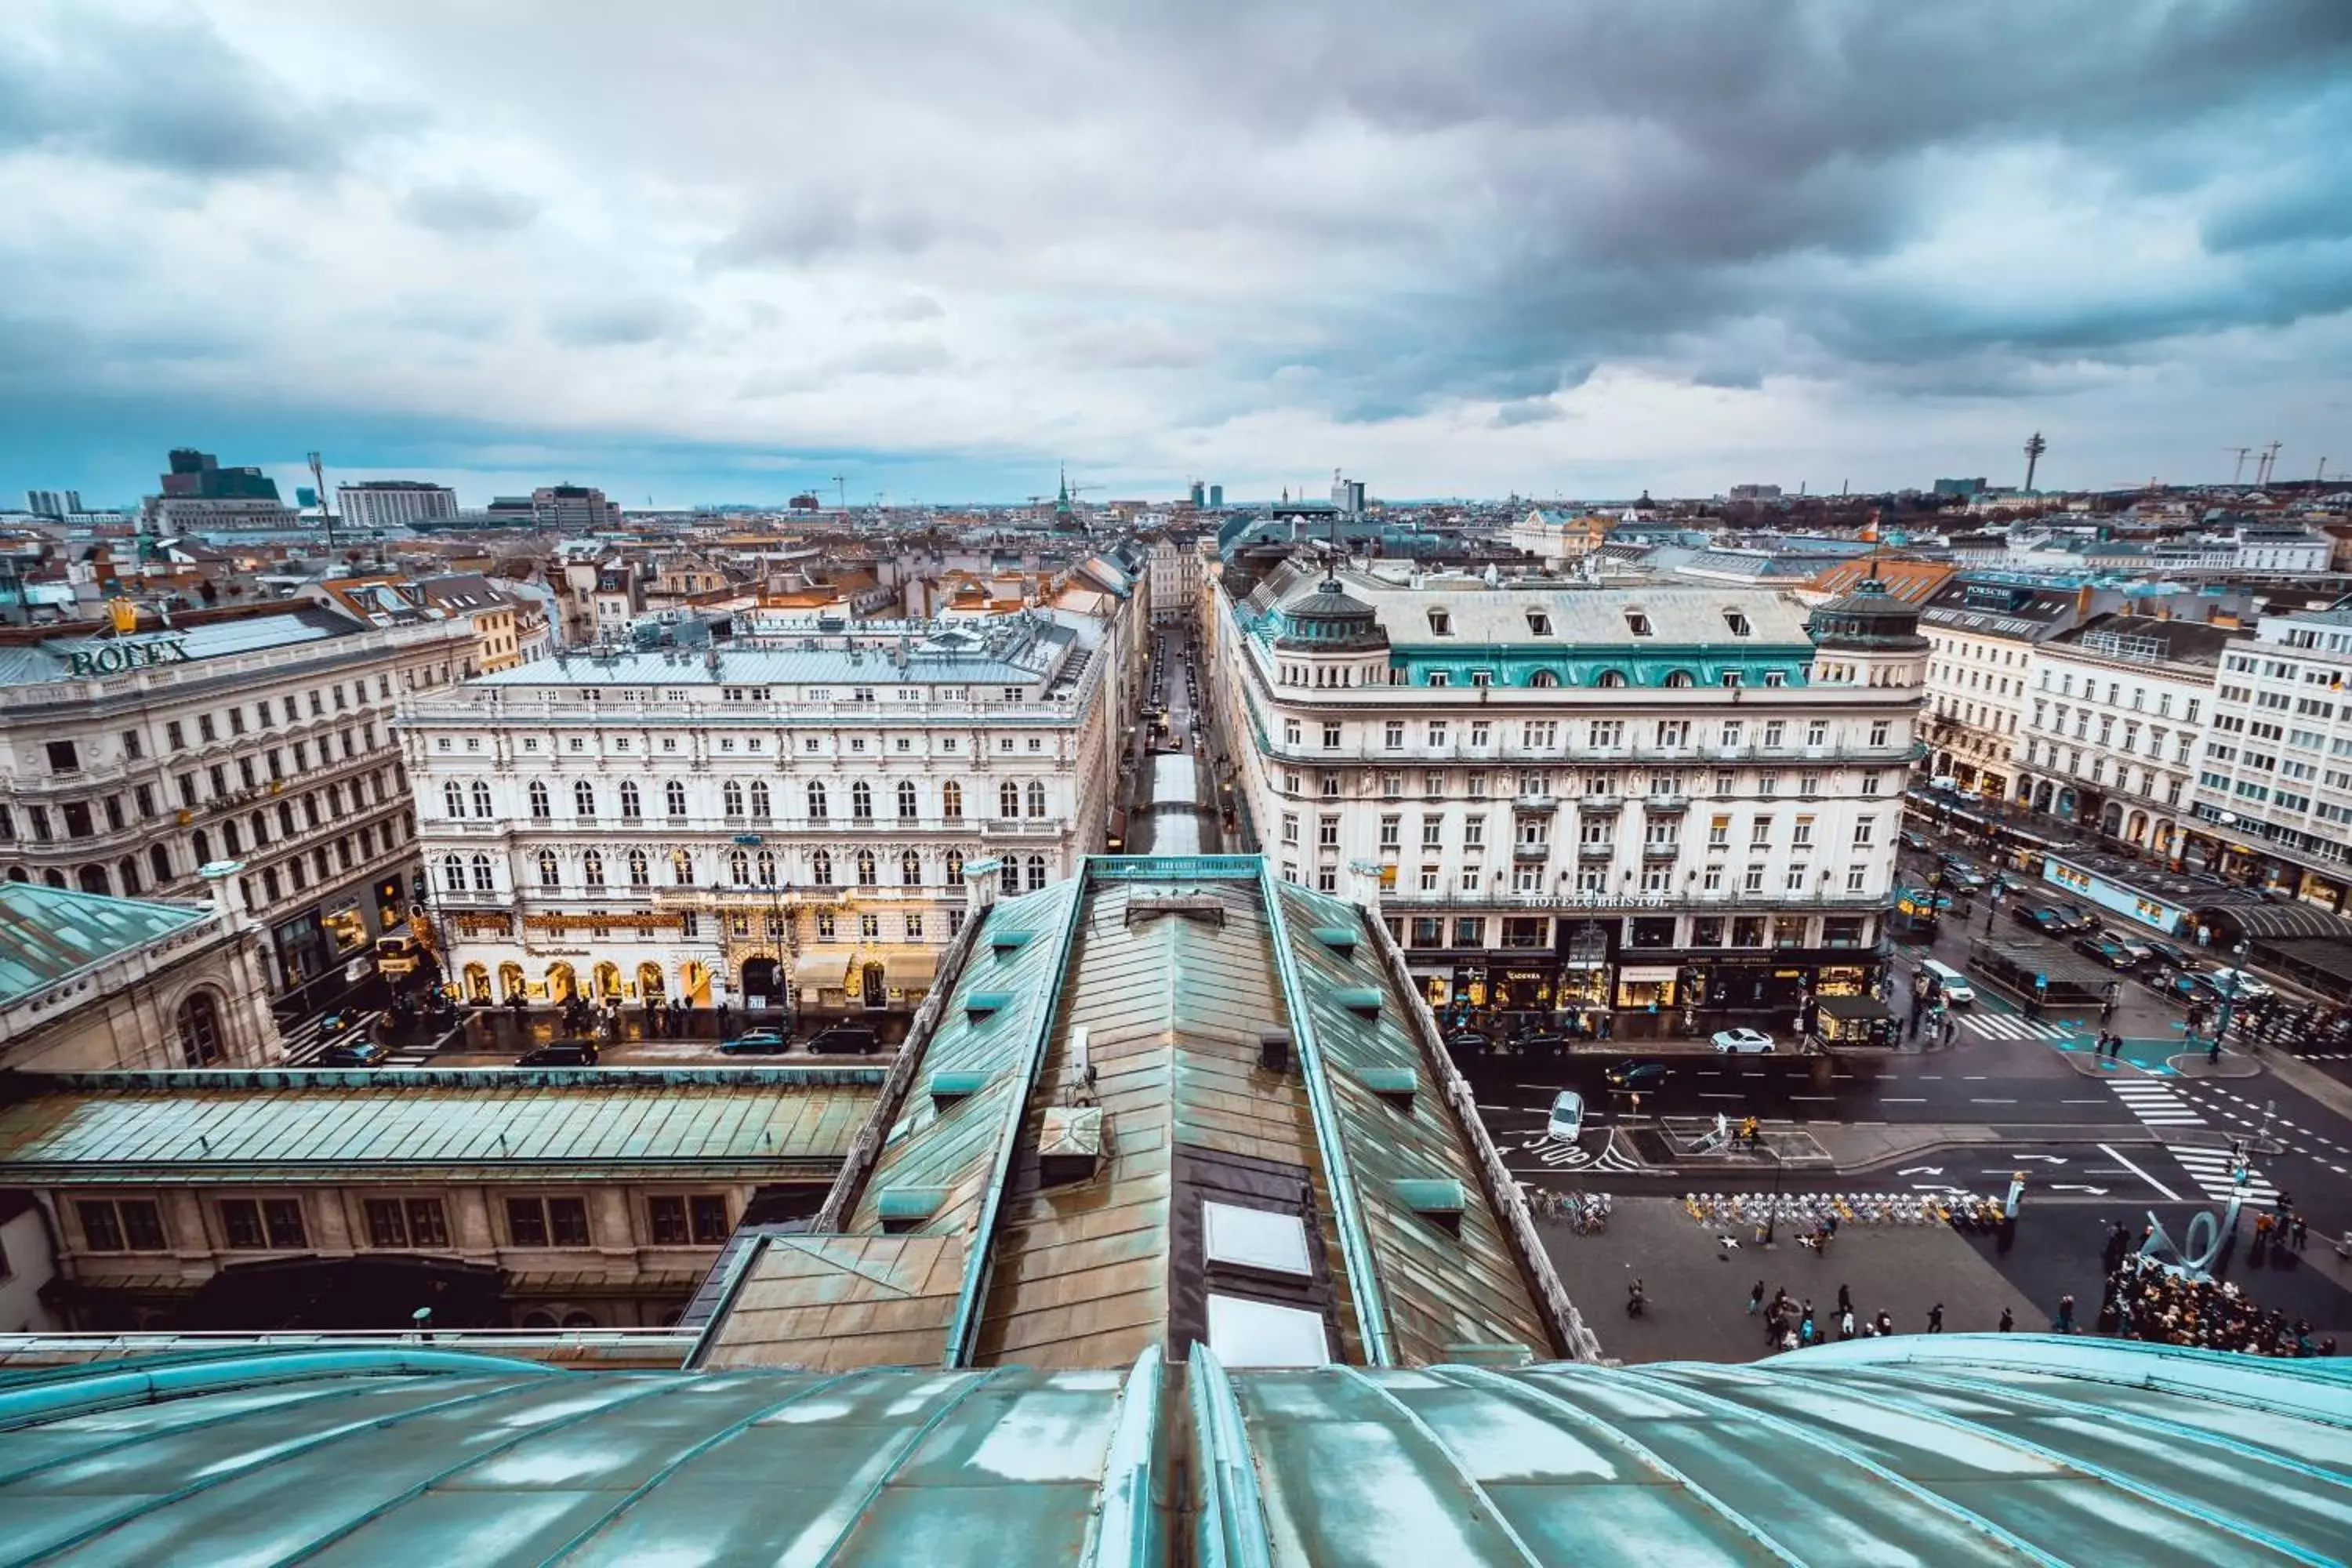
1950,983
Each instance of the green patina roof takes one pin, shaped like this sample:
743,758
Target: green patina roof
49,933
1926,1450
397,1125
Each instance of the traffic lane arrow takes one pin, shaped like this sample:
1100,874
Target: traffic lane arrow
2077,1187
1921,1171
1933,1187
2045,1159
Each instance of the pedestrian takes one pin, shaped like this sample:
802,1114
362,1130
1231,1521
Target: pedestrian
2283,1204
1845,1323
1935,1319
1886,1323
1845,1302
2063,1323
2008,1321
2301,1233
1755,1299
2213,1050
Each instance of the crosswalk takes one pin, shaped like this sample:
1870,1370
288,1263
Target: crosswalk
2010,1026
2159,1105
302,1042
2156,1104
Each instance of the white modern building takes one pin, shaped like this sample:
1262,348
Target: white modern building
393,503
1670,804
780,820
2273,800
2116,713
260,735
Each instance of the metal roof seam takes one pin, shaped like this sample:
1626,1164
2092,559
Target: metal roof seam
1232,1531
978,1381
1125,1520
1478,1494
1363,1279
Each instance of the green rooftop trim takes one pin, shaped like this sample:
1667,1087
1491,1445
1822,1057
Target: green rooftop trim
51,935
1338,939
909,1202
986,1004
1391,1083
1364,1001
947,1085
1006,943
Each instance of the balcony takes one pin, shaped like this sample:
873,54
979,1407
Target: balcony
1666,803
1535,853
1663,849
1605,850
1592,803
1534,803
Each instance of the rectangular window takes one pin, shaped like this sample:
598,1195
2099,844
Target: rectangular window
1470,932
121,1225
1393,734
263,1223
1330,737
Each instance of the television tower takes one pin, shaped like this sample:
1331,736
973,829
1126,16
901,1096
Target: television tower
2034,447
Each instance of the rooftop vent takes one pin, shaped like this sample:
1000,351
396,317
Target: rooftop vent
1439,1202
981,1005
946,1086
1338,939
1006,944
901,1209
1364,1001
1070,1144
1398,1086
1274,1050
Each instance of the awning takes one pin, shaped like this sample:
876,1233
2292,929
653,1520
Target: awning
902,967
1648,973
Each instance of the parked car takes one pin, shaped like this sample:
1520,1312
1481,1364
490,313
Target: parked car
1540,1043
846,1039
1915,839
1566,1121
2131,943
1964,875
2079,921
2035,917
757,1043
2166,954
1474,1041
1743,1042
352,1054
2191,986
2110,954
560,1054
1637,1077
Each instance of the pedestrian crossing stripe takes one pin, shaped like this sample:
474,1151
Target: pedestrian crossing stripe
2008,1026
2210,1168
2155,1104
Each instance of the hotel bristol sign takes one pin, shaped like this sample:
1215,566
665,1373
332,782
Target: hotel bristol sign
121,657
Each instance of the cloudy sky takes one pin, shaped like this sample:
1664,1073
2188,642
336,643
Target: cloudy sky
706,251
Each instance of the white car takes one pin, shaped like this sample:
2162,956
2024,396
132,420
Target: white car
1743,1042
2248,988
1567,1123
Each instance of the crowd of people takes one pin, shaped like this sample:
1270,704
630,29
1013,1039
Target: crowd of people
2145,1300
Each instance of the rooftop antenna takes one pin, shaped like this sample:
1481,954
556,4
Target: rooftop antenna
2034,447
2238,474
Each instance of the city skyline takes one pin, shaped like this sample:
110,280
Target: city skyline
1561,251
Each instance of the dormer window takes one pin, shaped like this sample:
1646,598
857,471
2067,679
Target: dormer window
1638,623
1737,622
1441,623
1538,623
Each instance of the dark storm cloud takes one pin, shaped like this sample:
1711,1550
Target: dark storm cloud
169,95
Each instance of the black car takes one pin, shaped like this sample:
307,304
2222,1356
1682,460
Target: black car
2048,921
1474,1041
2168,956
1636,1078
2193,986
560,1054
352,1054
2080,921
1915,839
757,1043
2112,954
1540,1043
846,1039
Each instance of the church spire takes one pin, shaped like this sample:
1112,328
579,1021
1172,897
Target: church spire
1062,499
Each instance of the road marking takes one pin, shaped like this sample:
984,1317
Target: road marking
1825,1099
1902,1099
2209,1169
2170,1196
2083,1102
1992,1102
2155,1104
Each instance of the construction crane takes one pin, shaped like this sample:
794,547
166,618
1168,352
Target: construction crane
2238,476
2270,461
843,483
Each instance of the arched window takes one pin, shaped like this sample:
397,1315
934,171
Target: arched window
951,801
821,869
481,799
202,845
817,801
540,807
1611,678
483,882
198,1025
453,795
681,866
452,874
759,800
633,805
1036,872
955,867
905,801
54,878
159,860
640,870
591,867
1036,798
865,869
1544,677
911,869
1008,799
1678,677
584,798
548,875
731,793
673,798
229,840
127,873
861,800
286,819
739,867
767,869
